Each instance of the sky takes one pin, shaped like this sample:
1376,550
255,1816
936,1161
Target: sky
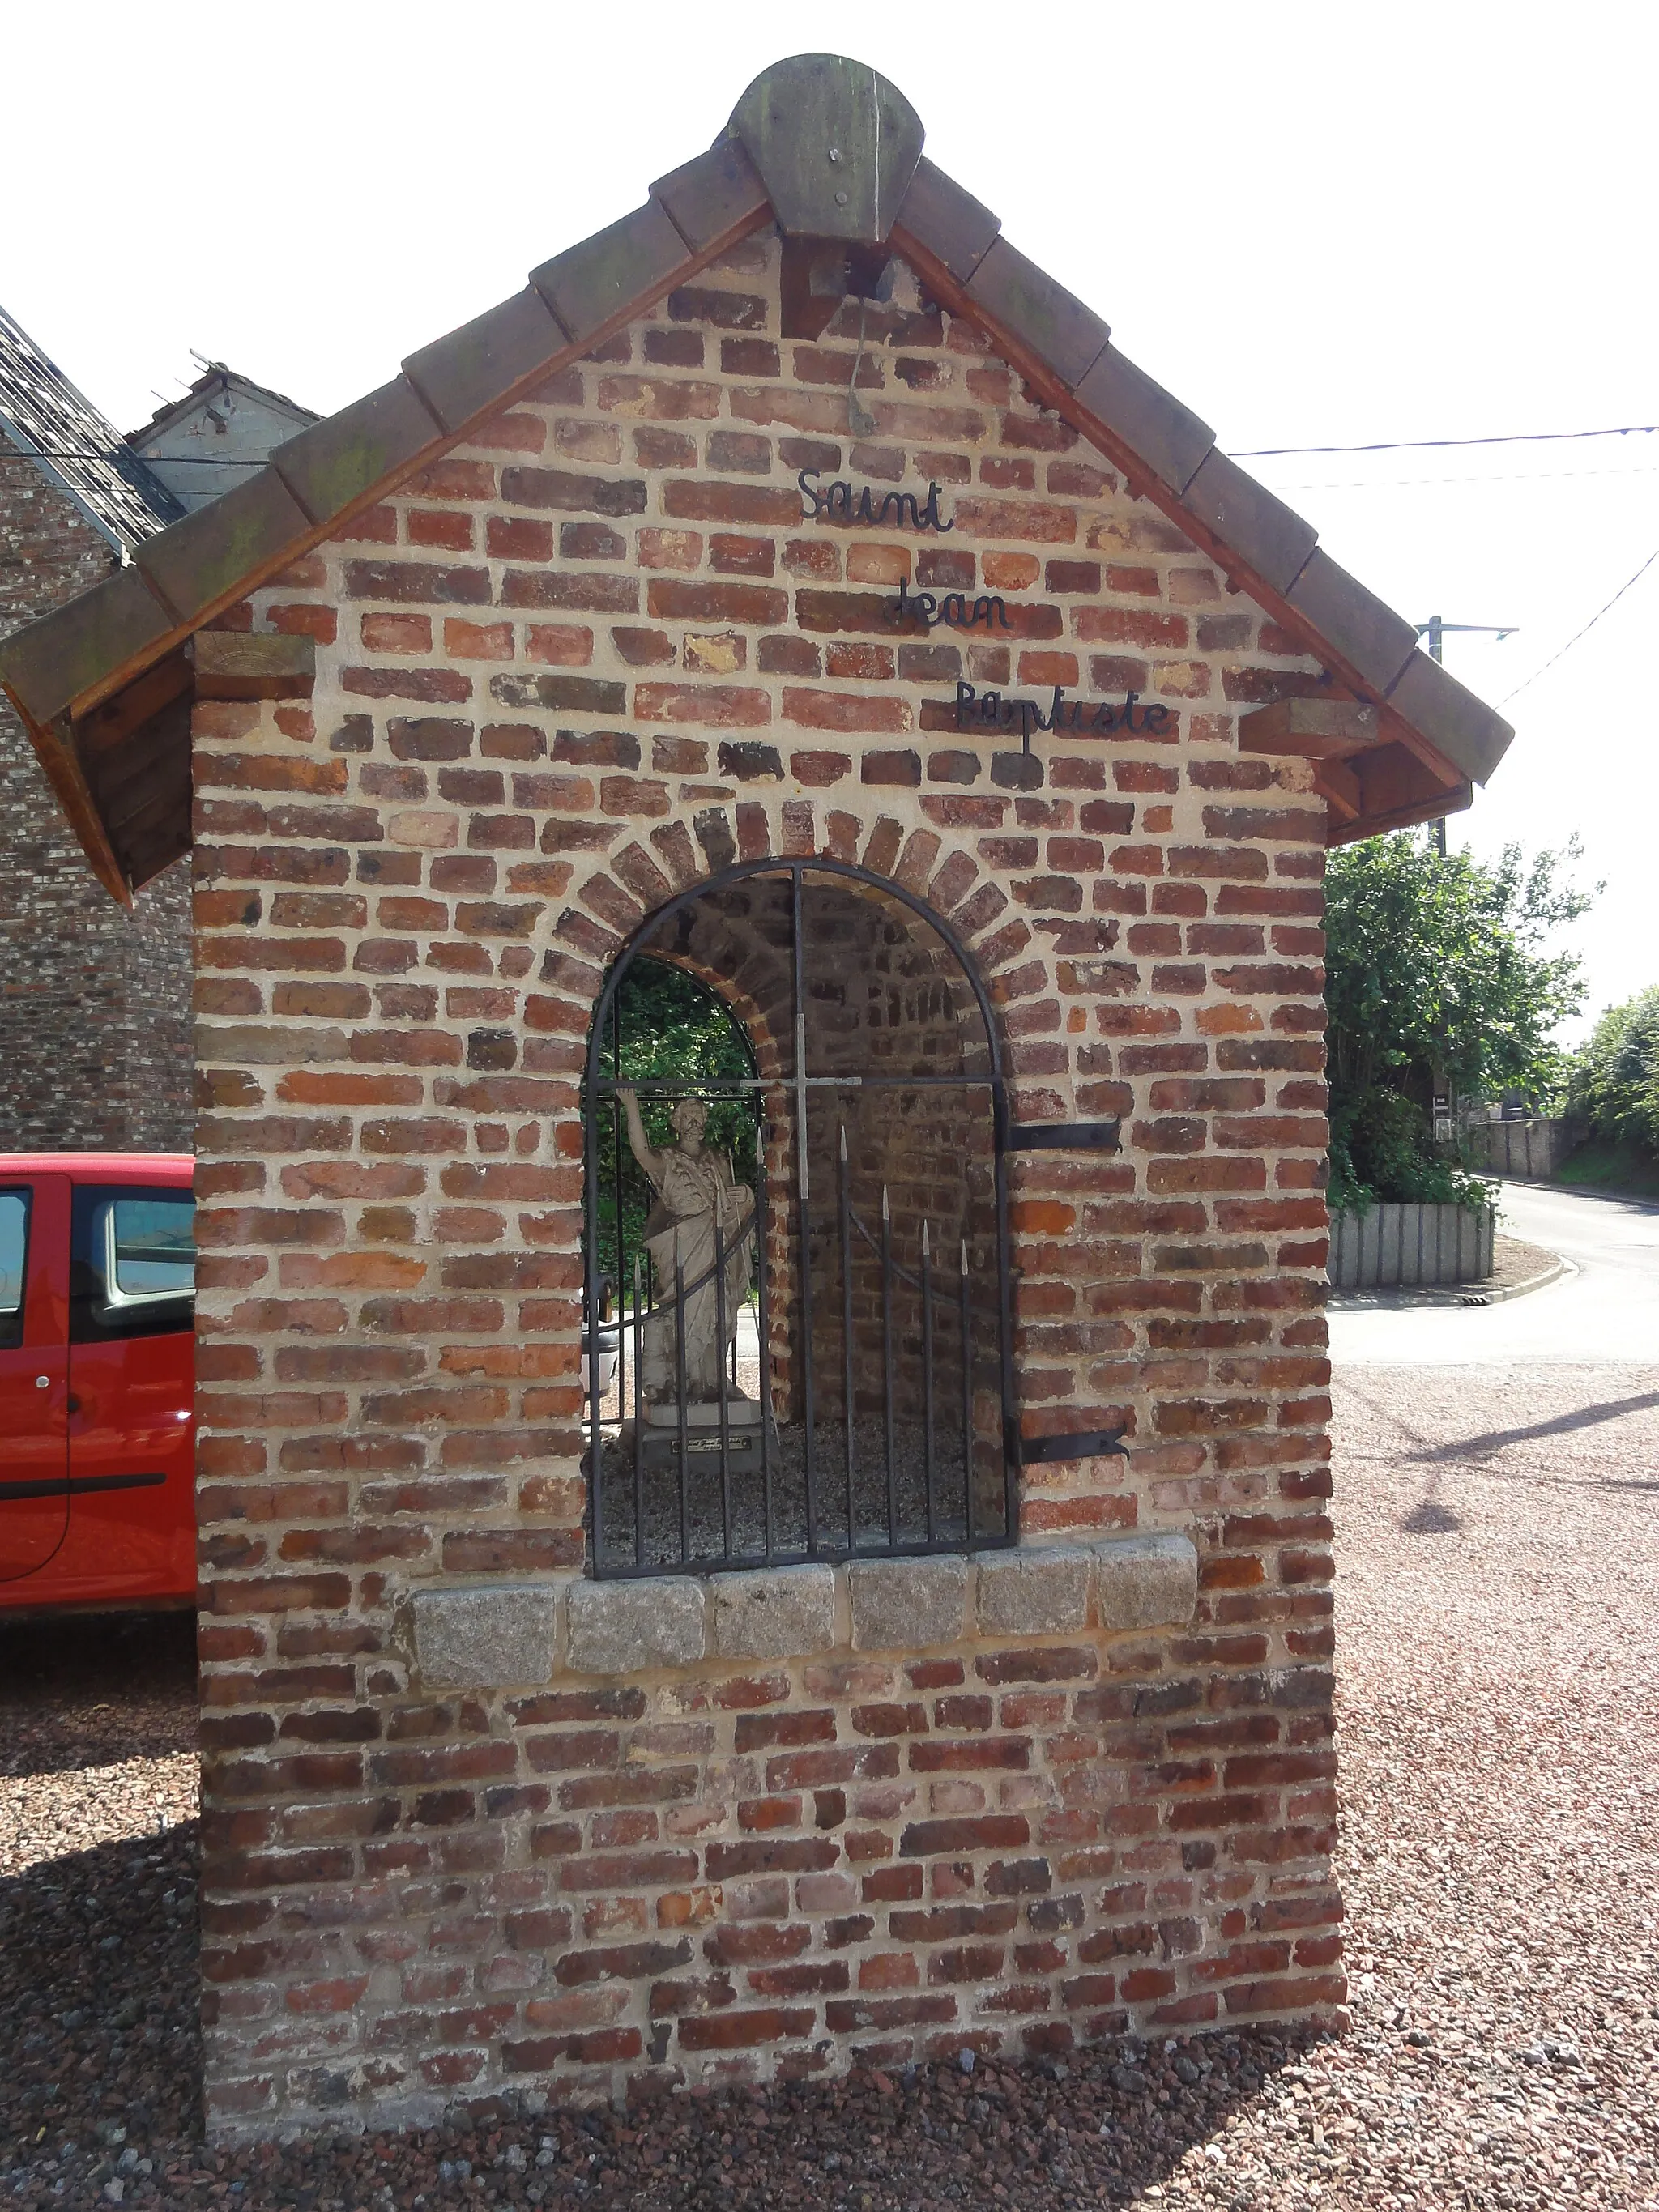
1317,225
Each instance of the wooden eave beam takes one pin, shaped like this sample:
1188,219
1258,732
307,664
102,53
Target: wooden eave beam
1314,728
232,664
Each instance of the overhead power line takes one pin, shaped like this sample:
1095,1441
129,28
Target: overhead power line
118,453
1244,453
1586,630
1425,445
1506,476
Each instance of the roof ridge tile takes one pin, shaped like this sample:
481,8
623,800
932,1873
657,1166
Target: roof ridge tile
197,564
616,273
339,460
1023,300
471,370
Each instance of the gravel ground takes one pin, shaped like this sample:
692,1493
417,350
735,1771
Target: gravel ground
1498,1540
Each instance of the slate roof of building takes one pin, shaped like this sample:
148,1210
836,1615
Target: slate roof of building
76,446
765,165
216,377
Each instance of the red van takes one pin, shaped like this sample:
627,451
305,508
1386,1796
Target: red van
97,1378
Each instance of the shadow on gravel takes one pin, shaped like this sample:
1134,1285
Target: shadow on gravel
98,1994
1430,1518
77,1690
1582,1417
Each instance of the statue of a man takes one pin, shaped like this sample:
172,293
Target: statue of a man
695,1195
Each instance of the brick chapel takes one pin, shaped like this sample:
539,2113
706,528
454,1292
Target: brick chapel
862,1589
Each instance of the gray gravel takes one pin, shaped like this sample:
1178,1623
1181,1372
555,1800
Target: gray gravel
1499,1544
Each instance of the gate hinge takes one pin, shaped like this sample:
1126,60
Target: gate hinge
1064,1136
1075,1443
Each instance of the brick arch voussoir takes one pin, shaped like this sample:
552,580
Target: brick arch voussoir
627,884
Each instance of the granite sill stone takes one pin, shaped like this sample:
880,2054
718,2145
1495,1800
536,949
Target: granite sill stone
473,1636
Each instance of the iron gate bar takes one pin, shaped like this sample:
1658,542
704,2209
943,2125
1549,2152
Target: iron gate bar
679,1384
616,1188
762,1233
597,1086
742,1562
967,1407
797,948
694,1086
887,1368
720,1338
927,1374
846,1213
639,1412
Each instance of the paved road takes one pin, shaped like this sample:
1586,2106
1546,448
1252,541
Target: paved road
1608,1309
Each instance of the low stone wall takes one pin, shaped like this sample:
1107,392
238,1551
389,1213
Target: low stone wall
1533,1149
1388,1247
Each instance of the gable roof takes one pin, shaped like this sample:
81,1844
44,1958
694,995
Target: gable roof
216,377
829,150
205,442
76,448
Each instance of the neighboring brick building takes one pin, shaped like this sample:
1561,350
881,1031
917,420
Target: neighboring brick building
95,997
545,651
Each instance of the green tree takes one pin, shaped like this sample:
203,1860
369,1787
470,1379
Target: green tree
1616,1077
1438,978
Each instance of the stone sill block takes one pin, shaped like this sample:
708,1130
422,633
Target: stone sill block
510,1635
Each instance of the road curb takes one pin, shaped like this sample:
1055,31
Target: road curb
1450,1297
1541,1281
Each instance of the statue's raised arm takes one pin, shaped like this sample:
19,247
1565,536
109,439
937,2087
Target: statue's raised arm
653,1163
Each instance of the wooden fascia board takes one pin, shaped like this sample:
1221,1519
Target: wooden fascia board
61,763
118,678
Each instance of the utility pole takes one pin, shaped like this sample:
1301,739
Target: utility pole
1434,629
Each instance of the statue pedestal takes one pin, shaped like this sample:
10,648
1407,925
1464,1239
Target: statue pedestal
701,1421
659,1437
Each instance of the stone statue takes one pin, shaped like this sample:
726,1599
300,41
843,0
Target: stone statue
695,1194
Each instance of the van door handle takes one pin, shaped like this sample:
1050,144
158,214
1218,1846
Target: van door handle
43,1381
72,1404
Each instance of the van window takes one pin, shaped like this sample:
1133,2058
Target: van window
134,1263
13,1259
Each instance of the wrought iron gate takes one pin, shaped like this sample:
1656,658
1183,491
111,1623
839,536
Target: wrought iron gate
859,1398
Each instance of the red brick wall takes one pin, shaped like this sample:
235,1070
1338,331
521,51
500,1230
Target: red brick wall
586,661
95,1001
